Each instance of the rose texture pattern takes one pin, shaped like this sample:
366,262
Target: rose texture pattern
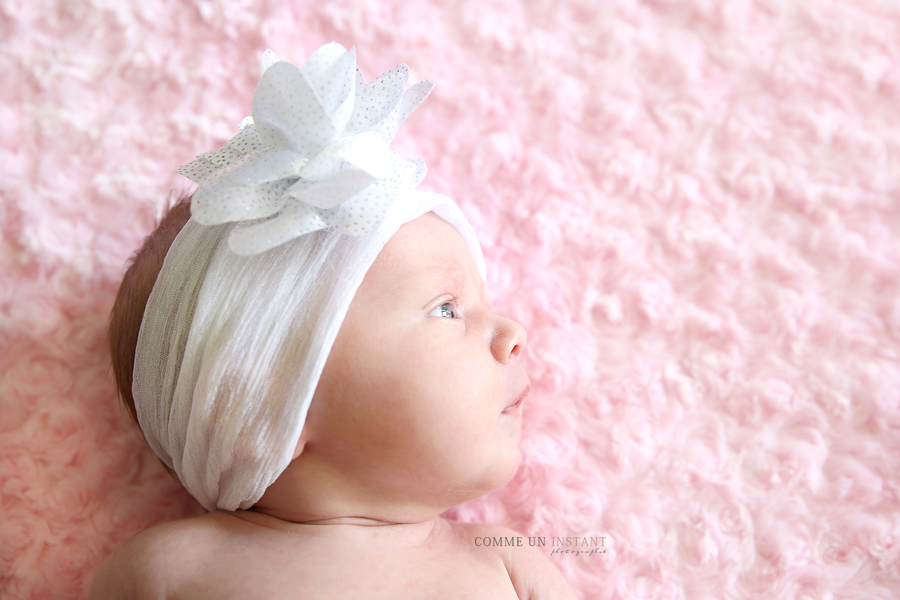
314,154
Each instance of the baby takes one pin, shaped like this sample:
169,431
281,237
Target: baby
310,348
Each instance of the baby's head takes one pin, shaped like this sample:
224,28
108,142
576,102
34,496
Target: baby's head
348,367
419,397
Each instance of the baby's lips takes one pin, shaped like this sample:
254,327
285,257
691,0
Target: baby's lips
520,398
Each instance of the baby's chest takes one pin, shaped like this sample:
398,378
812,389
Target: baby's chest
370,574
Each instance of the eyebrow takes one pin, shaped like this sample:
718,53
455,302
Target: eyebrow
443,270
445,264
457,273
434,270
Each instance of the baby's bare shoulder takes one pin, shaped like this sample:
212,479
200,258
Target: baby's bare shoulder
532,573
151,563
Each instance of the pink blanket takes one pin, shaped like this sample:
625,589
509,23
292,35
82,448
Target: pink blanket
693,206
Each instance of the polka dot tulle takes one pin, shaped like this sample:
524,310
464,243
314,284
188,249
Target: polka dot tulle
315,153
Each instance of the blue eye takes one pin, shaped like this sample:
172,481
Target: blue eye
444,310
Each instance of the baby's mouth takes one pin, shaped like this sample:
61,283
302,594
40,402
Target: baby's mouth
518,402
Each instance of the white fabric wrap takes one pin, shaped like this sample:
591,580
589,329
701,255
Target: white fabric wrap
231,347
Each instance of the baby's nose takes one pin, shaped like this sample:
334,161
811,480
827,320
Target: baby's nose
508,340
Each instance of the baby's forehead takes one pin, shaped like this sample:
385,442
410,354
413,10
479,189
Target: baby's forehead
428,244
424,249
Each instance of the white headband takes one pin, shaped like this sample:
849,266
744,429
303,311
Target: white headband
288,218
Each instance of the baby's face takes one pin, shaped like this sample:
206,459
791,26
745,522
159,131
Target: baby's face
419,394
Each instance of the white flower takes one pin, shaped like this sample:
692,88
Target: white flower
314,155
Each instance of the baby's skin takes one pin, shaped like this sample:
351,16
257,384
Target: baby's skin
418,409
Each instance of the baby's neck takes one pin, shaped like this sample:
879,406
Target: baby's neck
394,534
364,521
306,493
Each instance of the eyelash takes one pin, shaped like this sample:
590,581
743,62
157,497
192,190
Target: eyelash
452,311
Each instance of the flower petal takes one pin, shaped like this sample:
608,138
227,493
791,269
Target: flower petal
295,220
365,151
208,163
331,72
269,58
287,113
223,157
377,100
197,170
412,98
328,193
416,177
251,188
247,140
409,172
323,60
363,213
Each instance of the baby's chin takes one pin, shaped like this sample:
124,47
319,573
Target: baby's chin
502,472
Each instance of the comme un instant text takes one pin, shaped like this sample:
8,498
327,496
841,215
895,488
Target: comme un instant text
518,540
